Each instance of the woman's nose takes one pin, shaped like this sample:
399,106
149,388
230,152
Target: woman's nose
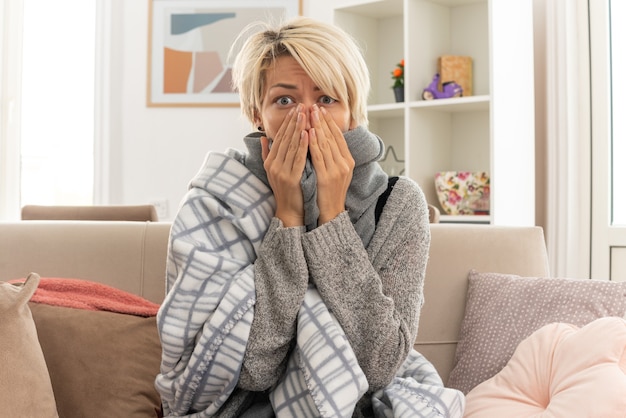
307,109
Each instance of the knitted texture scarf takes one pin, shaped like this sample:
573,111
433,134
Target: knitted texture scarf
369,180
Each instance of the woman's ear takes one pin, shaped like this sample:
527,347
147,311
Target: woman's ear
257,121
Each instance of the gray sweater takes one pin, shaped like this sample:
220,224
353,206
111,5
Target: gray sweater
375,293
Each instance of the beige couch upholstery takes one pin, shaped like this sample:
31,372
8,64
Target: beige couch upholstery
454,250
90,213
131,256
127,255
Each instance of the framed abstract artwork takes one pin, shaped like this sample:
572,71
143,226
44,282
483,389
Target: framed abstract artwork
189,42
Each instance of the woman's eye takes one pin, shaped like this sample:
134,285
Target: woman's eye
283,101
327,100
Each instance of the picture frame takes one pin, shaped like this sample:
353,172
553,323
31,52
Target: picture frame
188,45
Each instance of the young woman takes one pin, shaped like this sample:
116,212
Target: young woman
295,268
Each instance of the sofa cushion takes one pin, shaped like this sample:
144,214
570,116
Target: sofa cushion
559,371
102,364
501,310
25,388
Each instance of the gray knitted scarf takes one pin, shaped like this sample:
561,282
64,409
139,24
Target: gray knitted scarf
369,180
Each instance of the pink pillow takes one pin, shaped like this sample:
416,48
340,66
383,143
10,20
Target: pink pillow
559,371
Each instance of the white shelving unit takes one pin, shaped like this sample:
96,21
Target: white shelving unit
492,130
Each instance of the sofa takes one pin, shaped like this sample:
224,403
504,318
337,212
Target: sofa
103,363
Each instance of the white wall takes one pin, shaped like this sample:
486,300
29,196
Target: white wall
154,152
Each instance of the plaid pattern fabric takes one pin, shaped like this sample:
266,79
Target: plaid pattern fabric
418,391
334,381
204,321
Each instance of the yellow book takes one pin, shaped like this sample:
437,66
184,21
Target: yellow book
458,69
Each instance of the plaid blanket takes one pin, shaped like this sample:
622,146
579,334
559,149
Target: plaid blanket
205,320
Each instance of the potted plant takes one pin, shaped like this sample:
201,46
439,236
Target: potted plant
398,81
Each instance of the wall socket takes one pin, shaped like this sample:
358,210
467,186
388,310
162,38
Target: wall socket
162,208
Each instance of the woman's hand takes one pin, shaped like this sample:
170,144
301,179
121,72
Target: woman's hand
284,163
332,161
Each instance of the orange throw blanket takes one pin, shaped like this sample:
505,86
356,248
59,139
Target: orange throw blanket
88,295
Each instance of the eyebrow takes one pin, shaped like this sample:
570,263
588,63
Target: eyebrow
289,86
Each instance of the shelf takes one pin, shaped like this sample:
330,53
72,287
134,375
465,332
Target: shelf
465,219
461,133
376,8
457,104
389,110
453,3
385,8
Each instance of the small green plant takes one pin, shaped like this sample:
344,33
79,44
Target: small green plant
398,75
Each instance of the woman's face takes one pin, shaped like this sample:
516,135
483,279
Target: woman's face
287,84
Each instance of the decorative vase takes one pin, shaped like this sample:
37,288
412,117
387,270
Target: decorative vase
463,192
399,93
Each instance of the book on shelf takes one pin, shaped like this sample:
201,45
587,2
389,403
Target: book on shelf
458,69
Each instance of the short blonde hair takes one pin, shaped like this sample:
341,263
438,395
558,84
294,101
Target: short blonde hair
327,54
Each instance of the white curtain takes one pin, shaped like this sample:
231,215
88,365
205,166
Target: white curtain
563,133
10,82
